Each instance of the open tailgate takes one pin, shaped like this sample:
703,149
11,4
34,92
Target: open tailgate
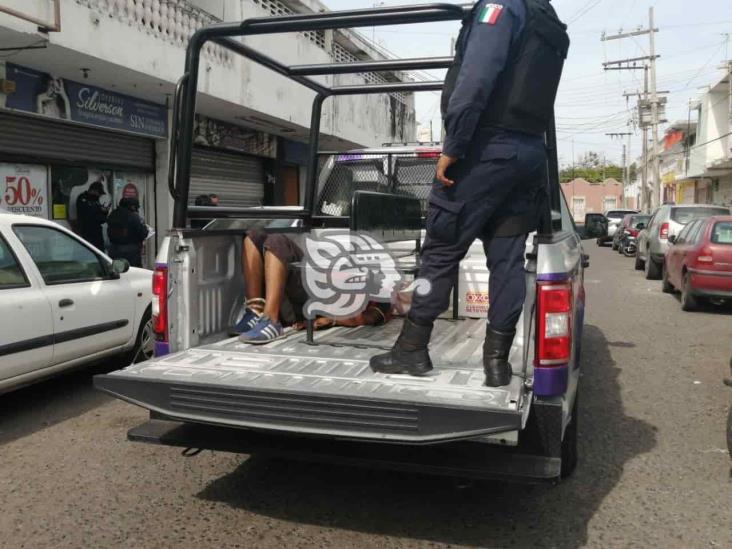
328,389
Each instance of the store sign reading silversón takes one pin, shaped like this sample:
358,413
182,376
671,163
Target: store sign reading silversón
44,94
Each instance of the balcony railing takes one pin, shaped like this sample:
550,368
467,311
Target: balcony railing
173,21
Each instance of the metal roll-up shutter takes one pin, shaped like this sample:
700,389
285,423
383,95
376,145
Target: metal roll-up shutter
54,140
237,179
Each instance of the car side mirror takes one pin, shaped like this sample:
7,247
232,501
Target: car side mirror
120,266
672,239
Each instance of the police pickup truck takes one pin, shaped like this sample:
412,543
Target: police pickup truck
313,395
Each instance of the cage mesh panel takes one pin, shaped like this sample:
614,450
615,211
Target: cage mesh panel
414,177
403,174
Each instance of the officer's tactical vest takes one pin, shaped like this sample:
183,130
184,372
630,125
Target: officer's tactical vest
524,94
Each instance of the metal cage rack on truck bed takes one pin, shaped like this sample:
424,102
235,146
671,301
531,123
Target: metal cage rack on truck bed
224,34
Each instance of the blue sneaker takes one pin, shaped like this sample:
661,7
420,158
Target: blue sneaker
263,332
248,321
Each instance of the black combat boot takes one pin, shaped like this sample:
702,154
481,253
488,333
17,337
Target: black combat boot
409,354
495,357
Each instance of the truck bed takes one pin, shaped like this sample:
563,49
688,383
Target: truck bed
328,388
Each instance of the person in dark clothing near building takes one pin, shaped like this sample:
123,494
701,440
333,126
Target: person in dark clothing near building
127,231
491,180
91,215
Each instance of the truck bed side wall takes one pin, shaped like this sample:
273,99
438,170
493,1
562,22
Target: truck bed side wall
205,289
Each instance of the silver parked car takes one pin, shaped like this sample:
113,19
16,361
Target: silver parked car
667,220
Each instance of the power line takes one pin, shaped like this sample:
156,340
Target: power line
584,10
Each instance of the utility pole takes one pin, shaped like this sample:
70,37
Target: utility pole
654,111
626,167
650,102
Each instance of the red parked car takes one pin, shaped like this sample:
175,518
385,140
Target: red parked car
699,263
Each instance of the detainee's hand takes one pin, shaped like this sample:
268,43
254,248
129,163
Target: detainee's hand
442,164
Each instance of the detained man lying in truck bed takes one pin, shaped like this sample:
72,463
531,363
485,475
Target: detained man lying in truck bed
275,294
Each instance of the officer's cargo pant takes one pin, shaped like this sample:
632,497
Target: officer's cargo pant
503,174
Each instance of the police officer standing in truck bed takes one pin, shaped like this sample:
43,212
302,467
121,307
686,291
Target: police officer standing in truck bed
491,179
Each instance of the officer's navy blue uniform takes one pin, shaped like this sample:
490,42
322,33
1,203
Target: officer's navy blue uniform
126,232
91,215
499,173
498,104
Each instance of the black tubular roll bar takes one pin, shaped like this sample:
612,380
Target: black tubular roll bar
184,104
185,98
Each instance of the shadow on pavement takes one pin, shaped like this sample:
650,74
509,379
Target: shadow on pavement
35,407
450,510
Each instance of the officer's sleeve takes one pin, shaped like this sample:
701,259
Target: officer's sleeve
139,229
486,54
101,213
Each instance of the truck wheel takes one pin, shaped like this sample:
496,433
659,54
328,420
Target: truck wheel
652,269
638,261
688,301
569,443
665,284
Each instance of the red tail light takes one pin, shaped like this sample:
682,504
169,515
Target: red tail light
160,303
554,322
663,231
705,256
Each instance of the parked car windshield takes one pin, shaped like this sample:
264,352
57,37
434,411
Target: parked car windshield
683,214
722,233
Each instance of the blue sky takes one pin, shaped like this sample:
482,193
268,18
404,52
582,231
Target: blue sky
691,43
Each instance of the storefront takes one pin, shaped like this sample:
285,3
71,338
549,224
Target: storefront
704,191
60,136
234,163
686,192
722,190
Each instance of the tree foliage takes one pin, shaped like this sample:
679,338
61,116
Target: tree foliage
592,168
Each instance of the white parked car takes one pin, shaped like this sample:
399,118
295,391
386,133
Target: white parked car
63,303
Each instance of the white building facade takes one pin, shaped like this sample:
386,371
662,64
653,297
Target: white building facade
87,94
710,157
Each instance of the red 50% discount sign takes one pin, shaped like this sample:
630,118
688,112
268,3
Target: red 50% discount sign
23,189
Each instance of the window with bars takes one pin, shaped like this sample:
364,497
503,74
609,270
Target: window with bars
275,8
338,53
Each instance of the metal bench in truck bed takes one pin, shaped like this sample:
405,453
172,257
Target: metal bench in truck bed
316,398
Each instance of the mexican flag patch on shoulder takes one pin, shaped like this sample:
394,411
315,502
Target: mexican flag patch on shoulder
491,13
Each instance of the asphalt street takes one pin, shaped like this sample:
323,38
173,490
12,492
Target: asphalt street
653,471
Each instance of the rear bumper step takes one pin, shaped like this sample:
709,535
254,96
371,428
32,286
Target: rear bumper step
462,459
298,412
